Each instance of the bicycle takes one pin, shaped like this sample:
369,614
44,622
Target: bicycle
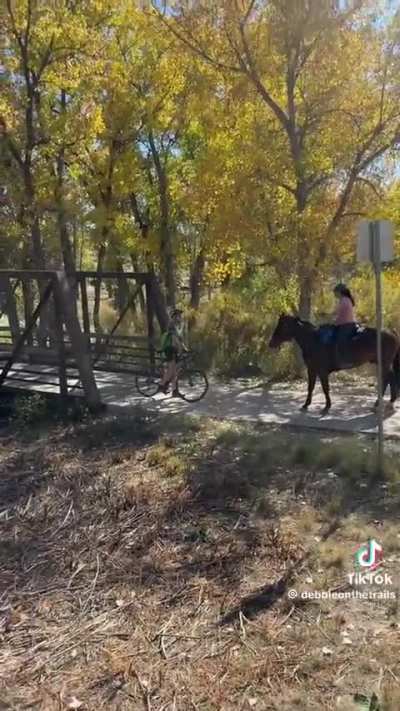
192,383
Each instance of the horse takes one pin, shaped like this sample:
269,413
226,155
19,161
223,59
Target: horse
321,359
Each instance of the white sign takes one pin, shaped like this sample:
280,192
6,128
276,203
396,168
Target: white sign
375,240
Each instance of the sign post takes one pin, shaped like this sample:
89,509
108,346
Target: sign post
376,254
375,245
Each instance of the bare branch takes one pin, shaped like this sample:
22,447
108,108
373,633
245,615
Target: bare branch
252,73
248,12
191,44
28,24
14,26
45,59
370,184
361,163
353,214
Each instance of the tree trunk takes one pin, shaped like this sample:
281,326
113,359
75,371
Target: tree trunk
168,259
29,185
141,298
65,241
159,305
107,200
196,279
305,302
122,290
67,248
27,295
24,159
143,224
305,296
166,240
36,247
75,241
97,290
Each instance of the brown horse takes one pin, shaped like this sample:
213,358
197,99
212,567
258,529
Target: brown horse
321,359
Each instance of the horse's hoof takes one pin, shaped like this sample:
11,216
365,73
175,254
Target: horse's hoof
304,408
325,411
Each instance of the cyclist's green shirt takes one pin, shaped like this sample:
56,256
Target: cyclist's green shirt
166,341
169,338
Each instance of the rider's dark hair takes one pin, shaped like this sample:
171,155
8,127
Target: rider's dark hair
343,290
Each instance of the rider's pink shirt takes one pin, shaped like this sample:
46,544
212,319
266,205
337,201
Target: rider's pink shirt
345,312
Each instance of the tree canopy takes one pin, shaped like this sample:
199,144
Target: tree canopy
200,139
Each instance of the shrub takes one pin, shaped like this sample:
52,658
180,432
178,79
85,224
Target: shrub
30,408
232,332
132,324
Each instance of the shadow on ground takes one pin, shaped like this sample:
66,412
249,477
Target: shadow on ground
88,502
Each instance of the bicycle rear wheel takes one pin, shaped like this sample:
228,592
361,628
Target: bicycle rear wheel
147,385
192,385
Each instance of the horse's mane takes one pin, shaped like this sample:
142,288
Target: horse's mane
308,324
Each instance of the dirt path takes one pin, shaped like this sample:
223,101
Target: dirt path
352,409
279,404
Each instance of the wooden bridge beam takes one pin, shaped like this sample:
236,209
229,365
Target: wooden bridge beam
10,306
78,342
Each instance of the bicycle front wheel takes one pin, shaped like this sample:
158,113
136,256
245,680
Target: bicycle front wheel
192,385
147,385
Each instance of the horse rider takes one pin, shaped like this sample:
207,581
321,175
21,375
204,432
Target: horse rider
345,320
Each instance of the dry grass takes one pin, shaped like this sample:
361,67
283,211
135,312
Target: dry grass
148,572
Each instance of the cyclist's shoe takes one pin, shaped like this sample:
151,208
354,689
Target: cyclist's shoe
175,393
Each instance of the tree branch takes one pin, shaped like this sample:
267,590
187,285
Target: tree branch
370,184
136,212
191,44
252,73
14,26
16,154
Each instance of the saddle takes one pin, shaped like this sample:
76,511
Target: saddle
327,333
328,336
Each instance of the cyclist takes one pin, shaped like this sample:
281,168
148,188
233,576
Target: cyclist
172,346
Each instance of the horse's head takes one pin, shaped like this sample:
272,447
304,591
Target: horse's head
284,331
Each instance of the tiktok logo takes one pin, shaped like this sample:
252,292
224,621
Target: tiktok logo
369,555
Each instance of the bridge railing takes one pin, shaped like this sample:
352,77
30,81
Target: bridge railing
50,342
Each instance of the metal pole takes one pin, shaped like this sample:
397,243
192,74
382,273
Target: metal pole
379,326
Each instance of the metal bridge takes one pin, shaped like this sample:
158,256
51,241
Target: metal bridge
47,338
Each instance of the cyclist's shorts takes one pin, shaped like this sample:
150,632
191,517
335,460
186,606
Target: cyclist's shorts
170,354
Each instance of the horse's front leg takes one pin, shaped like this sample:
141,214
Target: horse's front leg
324,378
312,376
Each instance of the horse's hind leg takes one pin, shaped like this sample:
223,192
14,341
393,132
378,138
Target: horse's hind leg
324,378
393,387
388,378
